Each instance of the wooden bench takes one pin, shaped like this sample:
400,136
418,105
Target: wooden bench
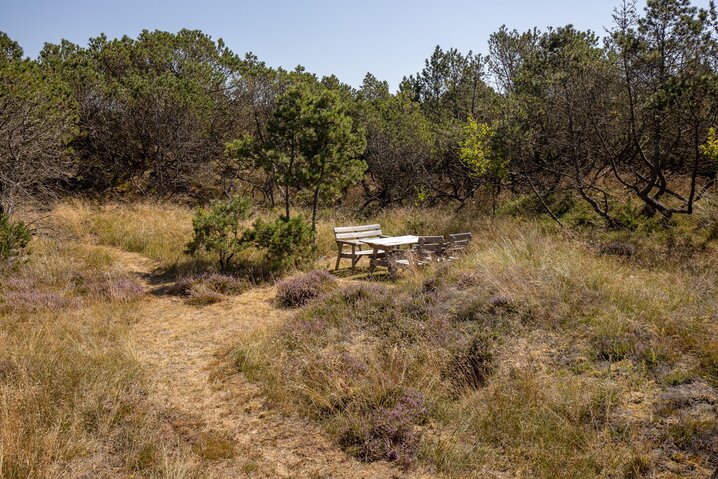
426,251
351,237
457,244
430,248
434,248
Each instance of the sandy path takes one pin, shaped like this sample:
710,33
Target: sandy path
179,344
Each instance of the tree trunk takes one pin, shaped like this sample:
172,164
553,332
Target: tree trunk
494,194
286,200
315,204
269,188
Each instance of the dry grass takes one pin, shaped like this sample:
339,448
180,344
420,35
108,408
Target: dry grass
577,352
72,398
158,231
540,354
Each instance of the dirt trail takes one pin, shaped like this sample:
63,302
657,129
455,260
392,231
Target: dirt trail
179,345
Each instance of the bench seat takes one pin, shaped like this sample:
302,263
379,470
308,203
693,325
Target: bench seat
350,242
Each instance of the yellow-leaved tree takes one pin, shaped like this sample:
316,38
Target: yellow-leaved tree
481,157
710,147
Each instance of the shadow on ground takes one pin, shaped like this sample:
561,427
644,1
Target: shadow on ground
362,274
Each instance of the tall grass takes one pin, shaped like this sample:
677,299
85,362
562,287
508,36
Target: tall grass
158,231
526,358
72,398
540,354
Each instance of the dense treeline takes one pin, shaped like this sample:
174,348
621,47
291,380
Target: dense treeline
546,111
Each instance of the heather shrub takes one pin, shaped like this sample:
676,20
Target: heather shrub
368,306
615,341
108,286
225,284
209,288
22,293
219,283
119,288
14,241
34,300
388,431
618,248
202,296
295,292
529,354
367,397
612,347
470,308
353,293
500,303
486,312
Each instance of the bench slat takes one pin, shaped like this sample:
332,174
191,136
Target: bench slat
365,234
352,229
365,252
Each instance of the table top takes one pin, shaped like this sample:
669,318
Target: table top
392,241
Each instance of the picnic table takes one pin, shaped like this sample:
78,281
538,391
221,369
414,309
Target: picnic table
389,245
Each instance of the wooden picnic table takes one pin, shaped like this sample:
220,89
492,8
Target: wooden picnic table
388,245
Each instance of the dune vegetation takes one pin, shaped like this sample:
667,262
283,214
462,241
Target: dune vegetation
72,394
541,352
170,306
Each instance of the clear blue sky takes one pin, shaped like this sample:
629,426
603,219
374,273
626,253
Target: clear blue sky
348,38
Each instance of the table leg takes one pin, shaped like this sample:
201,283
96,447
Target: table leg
391,266
372,261
390,259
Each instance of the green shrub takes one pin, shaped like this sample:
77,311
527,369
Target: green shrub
14,240
217,230
560,203
289,243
